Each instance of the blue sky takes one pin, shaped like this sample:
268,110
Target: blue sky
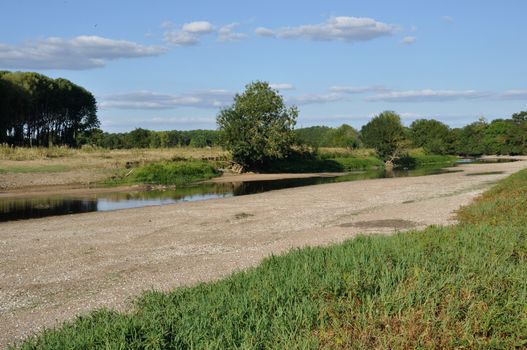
172,64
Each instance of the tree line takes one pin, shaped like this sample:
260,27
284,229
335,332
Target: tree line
36,110
500,136
144,138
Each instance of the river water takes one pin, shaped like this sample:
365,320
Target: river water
42,206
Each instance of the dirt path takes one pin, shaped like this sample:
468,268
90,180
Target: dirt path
52,269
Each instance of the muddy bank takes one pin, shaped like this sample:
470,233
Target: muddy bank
55,268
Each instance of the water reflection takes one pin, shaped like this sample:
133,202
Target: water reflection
26,208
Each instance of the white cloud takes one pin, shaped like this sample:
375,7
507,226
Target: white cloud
182,120
264,32
358,90
282,86
428,95
448,19
227,33
514,95
190,33
198,27
350,29
408,40
314,98
152,100
181,38
81,52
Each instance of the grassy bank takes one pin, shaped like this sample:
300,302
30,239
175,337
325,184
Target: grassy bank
343,162
174,173
457,287
416,161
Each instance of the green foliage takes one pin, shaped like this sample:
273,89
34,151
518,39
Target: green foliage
38,110
344,136
385,133
314,136
519,117
426,160
138,138
142,138
302,161
432,135
175,173
471,137
444,287
258,126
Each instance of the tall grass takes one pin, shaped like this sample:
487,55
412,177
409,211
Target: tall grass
31,153
458,287
175,173
42,153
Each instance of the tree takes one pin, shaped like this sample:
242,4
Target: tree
471,138
38,110
257,127
138,138
430,134
343,136
386,134
313,136
520,117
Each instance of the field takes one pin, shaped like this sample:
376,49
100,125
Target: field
40,167
58,168
453,287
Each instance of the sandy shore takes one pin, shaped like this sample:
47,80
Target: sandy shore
52,269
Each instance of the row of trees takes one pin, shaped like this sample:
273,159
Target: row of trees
500,136
38,110
258,127
143,138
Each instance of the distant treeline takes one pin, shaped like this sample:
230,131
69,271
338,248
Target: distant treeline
143,138
500,136
36,110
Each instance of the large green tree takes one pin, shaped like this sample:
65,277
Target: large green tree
386,134
38,110
258,126
432,135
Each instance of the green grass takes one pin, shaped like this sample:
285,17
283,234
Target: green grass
174,173
413,161
179,172
323,163
429,159
462,287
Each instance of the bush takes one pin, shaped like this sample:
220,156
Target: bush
175,173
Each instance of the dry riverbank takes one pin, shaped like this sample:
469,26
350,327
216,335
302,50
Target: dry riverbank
55,268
